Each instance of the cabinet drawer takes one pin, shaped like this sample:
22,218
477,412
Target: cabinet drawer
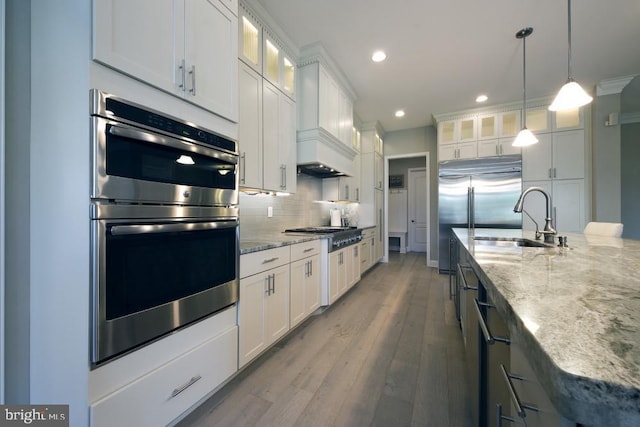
369,233
165,393
255,262
304,250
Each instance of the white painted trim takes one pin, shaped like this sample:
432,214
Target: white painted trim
627,118
2,215
425,154
612,86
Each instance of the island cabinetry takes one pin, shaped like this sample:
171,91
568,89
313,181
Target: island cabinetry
305,281
263,308
157,383
529,401
494,354
190,50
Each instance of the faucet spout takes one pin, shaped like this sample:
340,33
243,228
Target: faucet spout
548,231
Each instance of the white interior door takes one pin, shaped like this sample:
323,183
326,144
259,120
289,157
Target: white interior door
417,188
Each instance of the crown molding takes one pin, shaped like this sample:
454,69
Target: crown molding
613,86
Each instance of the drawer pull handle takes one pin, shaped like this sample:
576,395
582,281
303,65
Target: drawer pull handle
308,250
185,386
267,261
465,286
490,339
515,399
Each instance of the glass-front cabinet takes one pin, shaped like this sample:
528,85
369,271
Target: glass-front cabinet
278,68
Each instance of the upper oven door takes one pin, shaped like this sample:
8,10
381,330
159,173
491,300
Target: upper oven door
138,165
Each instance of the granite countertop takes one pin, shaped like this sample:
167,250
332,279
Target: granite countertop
275,240
576,313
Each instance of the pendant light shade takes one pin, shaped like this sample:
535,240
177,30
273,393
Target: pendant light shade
571,95
525,137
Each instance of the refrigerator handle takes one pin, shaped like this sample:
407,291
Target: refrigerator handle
472,217
469,208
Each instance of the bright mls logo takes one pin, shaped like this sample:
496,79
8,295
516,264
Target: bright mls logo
35,415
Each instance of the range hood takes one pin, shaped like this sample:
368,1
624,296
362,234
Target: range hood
319,170
322,155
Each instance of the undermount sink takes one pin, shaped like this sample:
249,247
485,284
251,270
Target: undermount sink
509,242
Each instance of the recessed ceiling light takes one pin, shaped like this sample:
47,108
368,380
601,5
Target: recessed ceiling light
378,56
482,98
400,113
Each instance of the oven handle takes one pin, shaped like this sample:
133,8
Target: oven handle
137,134
123,230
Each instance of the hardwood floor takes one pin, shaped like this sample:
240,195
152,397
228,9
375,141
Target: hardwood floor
389,353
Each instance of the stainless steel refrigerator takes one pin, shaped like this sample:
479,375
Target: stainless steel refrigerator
478,193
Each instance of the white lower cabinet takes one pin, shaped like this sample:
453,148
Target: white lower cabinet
164,393
305,281
263,309
353,266
337,275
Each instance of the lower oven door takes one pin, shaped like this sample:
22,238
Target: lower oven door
151,277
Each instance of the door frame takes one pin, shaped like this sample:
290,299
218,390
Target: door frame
425,154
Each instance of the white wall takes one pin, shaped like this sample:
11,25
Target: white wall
48,279
2,214
420,140
606,161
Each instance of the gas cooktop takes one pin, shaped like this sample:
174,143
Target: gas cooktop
319,230
339,237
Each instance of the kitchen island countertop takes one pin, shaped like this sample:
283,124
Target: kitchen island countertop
576,313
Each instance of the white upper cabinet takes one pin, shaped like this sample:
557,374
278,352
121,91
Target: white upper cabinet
325,104
250,43
250,129
277,66
190,50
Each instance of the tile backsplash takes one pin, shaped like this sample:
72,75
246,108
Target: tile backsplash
302,209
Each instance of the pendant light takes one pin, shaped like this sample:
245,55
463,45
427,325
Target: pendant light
525,136
571,95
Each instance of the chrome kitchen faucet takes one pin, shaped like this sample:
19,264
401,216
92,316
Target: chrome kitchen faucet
548,230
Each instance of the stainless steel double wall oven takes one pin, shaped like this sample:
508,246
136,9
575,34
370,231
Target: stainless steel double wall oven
164,224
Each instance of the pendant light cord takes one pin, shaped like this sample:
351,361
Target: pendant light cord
524,82
570,78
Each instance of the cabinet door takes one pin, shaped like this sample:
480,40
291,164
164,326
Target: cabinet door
488,126
287,142
277,304
569,205
467,150
509,123
536,159
297,305
211,52
365,256
335,279
312,285
354,255
252,317
506,147
379,171
530,391
488,148
568,154
447,132
272,173
146,54
250,130
467,130
379,249
447,152
250,43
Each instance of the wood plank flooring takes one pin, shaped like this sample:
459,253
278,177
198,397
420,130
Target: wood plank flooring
388,353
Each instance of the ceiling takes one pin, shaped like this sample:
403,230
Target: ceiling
442,54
